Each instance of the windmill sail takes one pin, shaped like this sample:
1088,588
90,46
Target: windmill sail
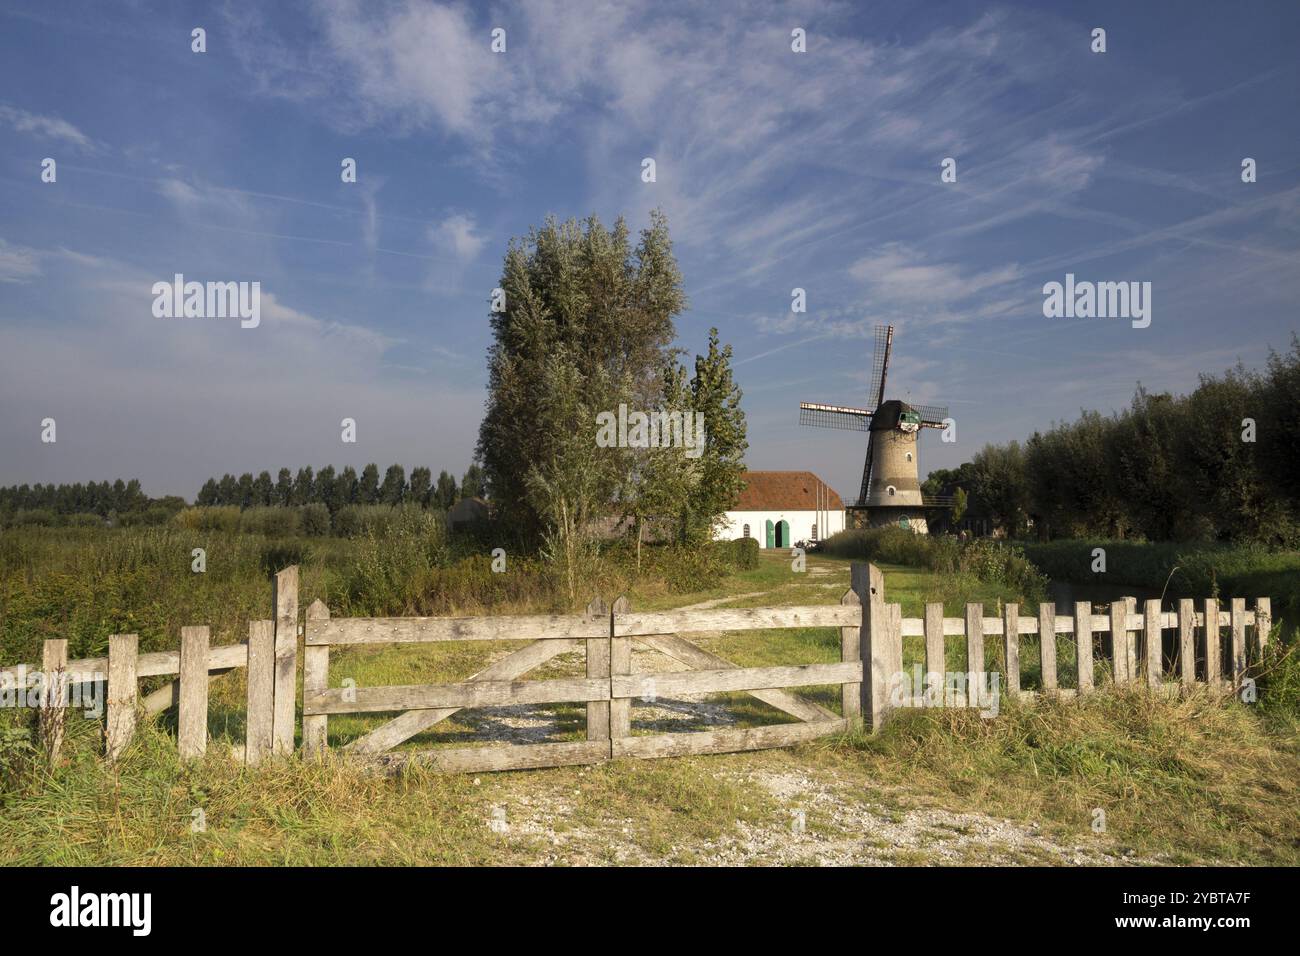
932,415
834,416
880,364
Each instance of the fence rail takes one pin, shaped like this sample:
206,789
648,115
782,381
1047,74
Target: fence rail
1208,644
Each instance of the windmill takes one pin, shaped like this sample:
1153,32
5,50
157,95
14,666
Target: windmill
891,487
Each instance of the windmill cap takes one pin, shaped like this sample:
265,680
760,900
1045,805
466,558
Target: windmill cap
893,413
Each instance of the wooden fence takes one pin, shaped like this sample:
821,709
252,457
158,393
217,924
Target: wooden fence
1121,647
269,656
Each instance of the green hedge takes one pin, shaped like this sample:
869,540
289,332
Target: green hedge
985,558
1191,570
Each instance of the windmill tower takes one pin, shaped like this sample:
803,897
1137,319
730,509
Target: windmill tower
891,486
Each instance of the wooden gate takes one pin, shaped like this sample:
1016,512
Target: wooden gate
605,635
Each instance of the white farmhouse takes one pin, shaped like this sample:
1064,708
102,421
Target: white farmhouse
780,508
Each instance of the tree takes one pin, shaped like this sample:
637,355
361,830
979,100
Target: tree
263,489
959,501
325,491
304,487
207,495
421,483
393,489
245,490
471,483
228,490
587,313
722,465
567,488
1000,484
665,482
345,488
368,485
445,494
284,488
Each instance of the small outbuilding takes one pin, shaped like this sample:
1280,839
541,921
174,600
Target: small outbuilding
466,513
780,508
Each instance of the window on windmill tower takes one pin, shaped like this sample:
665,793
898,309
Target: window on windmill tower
909,456
814,532
890,490
746,531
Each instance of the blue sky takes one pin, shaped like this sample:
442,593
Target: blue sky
777,170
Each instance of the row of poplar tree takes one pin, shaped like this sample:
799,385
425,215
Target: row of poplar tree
337,490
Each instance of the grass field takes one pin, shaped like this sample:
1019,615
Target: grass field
1191,781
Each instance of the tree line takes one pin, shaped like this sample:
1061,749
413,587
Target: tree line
101,498
1217,464
337,490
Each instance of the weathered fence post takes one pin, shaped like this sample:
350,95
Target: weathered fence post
261,691
192,714
850,651
1119,641
315,678
286,659
598,657
936,663
1151,638
974,648
54,715
1187,642
1237,666
119,726
1047,645
880,649
1130,641
1011,645
620,662
1263,623
1213,648
1083,644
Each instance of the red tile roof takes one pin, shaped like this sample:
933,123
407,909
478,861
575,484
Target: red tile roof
785,491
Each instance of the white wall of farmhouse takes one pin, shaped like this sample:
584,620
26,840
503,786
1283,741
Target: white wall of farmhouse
800,522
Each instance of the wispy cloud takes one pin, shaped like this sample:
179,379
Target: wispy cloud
45,127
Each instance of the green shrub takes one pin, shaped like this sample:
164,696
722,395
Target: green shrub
278,556
33,516
314,519
150,517
685,568
740,554
1208,569
390,572
19,757
355,521
984,558
271,521
217,518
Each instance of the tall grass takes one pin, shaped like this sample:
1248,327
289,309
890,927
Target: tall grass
979,558
1191,570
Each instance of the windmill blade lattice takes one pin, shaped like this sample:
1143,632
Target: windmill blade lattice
834,416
